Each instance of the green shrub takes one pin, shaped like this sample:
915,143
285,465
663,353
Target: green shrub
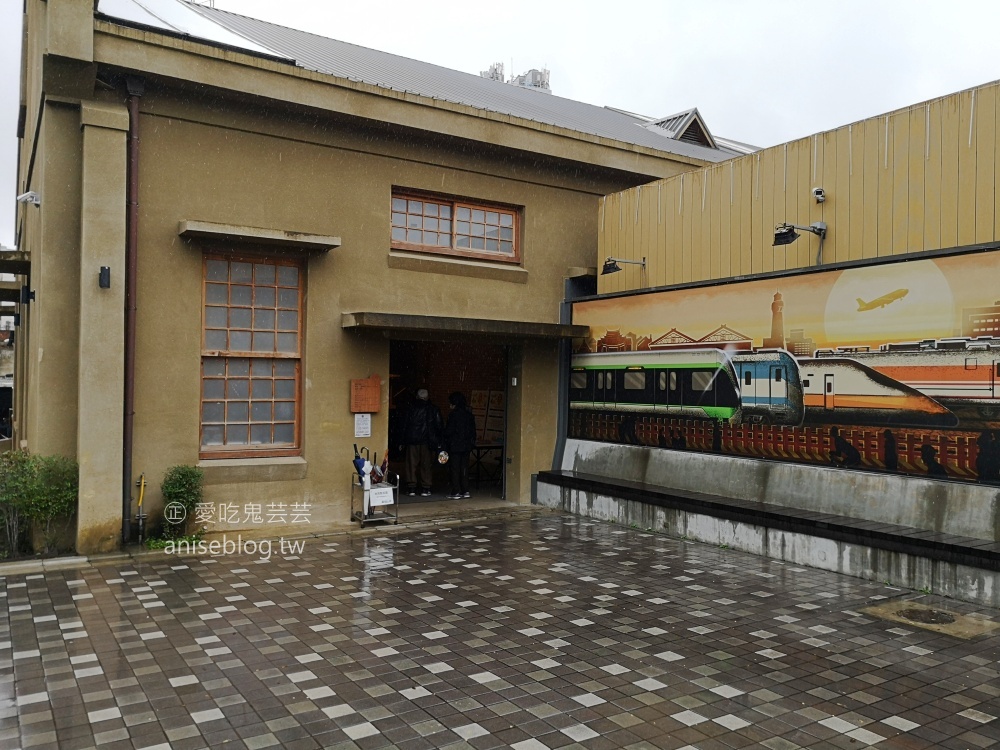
58,492
18,483
181,484
35,489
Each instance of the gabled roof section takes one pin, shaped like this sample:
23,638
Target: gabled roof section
687,126
673,337
396,73
724,333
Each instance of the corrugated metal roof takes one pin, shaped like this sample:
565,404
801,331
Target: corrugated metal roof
385,70
177,18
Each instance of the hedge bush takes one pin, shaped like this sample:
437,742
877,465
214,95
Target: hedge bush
35,489
181,484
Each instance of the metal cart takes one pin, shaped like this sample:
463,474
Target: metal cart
383,501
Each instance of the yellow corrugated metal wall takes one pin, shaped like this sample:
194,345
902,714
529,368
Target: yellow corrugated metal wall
920,178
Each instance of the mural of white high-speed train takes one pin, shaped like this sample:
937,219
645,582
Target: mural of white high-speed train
962,374
844,390
765,386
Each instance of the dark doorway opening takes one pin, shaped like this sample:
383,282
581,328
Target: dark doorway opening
478,370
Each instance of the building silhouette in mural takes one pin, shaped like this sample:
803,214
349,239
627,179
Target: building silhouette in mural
981,321
673,339
777,338
726,338
722,337
613,341
799,345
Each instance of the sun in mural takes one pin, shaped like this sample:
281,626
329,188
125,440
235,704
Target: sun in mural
896,302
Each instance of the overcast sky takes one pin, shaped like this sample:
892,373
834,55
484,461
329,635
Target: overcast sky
763,72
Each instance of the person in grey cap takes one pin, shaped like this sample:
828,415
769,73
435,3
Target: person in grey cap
422,433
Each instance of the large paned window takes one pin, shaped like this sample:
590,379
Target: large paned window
455,227
251,353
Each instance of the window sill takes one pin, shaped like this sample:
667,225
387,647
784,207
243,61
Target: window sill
454,266
245,470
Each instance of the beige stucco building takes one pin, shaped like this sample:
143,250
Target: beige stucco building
236,220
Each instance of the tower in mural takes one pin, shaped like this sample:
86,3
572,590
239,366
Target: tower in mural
777,338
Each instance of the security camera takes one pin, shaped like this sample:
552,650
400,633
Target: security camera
819,194
30,197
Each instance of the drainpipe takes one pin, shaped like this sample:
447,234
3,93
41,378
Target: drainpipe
573,288
136,87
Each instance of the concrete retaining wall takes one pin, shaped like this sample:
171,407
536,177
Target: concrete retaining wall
955,508
898,569
949,507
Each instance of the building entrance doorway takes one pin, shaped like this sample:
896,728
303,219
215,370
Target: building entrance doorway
477,370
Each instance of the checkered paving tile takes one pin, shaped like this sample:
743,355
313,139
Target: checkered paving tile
550,632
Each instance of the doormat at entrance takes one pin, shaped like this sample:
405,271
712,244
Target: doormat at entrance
437,497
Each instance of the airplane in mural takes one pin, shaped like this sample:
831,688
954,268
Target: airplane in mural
885,299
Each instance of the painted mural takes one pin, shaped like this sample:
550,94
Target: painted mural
891,367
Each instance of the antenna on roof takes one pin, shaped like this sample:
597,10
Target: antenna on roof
495,73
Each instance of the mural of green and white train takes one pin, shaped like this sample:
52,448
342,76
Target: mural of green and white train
905,381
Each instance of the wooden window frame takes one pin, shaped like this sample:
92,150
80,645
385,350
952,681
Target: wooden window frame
228,356
455,203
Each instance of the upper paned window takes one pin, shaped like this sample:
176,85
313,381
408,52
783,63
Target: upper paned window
455,227
251,353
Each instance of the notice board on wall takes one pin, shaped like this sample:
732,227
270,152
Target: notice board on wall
366,394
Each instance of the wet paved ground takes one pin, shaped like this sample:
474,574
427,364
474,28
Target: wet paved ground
554,632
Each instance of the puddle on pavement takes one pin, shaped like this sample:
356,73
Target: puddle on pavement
939,615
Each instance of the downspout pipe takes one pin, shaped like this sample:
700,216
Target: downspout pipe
136,87
573,288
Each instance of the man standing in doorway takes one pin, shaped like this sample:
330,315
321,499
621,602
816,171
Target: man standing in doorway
422,432
460,436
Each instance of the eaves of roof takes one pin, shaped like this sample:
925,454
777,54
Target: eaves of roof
129,32
395,72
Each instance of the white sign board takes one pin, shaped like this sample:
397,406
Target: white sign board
362,425
380,496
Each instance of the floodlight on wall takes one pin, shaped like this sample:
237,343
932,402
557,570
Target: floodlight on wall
785,234
611,265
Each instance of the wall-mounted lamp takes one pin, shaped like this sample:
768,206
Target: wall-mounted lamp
104,277
30,197
785,234
27,295
611,265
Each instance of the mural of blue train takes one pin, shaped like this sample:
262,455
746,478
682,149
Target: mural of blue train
747,387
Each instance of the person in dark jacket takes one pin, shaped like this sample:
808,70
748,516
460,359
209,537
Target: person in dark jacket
460,439
891,451
843,454
421,431
928,454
